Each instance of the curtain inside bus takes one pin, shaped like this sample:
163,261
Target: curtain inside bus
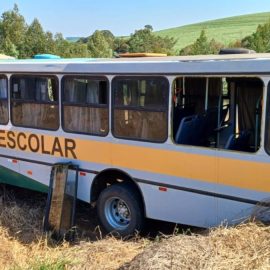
33,102
3,101
249,96
84,101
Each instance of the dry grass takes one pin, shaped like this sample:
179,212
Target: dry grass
23,246
104,254
243,247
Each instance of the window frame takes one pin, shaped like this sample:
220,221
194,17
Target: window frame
89,105
4,76
134,108
267,123
235,76
23,75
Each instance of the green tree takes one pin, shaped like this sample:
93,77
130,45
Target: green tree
121,45
149,27
49,43
260,40
8,48
78,50
13,29
108,35
98,45
202,46
35,40
144,40
62,46
67,49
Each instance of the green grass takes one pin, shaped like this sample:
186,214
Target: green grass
223,30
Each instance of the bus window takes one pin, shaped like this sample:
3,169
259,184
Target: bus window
140,108
34,101
244,123
3,101
85,105
218,112
195,110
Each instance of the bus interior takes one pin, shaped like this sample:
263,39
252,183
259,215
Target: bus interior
218,112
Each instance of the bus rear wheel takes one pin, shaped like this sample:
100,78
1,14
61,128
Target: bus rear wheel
119,210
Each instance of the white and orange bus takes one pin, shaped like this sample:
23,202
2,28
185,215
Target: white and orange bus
179,139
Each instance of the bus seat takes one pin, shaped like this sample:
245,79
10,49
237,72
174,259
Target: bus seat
210,123
239,141
179,113
186,130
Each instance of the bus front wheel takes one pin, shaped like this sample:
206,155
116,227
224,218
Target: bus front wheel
119,210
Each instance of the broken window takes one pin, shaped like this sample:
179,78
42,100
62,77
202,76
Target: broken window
218,112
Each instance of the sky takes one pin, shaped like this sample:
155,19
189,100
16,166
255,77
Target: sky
78,18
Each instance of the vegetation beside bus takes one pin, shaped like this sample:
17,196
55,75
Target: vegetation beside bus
23,245
24,41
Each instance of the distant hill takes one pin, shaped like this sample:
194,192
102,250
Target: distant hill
223,30
72,39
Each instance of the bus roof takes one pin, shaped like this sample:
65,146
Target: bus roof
143,57
216,64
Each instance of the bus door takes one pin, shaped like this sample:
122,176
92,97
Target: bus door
195,120
239,139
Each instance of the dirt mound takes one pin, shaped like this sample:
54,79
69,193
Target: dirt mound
243,247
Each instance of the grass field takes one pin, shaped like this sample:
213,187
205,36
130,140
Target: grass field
223,30
24,246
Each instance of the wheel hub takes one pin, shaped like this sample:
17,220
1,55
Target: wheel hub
117,213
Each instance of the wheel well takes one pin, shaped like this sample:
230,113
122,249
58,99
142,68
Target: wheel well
110,177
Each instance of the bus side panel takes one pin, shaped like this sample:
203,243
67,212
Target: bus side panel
84,184
180,206
37,177
10,164
232,212
10,174
41,174
38,172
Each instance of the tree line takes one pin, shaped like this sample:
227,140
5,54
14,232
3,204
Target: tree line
21,40
259,41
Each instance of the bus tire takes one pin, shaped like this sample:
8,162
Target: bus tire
120,210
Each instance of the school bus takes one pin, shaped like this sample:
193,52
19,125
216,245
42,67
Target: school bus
178,139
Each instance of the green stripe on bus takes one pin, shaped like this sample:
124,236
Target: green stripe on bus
13,178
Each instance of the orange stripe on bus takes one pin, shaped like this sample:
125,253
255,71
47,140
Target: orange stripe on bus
232,172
